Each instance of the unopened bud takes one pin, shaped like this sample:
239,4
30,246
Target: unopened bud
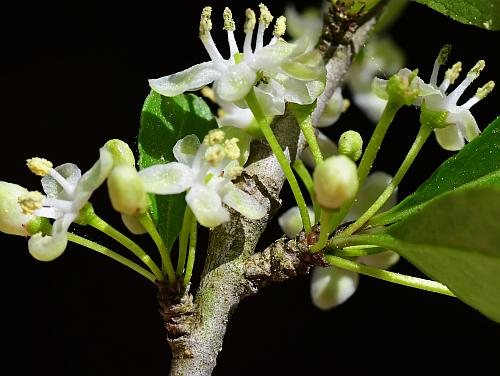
335,181
291,221
126,191
12,219
332,286
351,145
121,152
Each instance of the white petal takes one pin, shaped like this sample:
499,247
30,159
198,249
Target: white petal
371,105
379,88
449,138
332,286
51,212
185,149
465,122
93,178
166,179
243,203
333,109
271,98
69,171
206,205
12,219
234,116
235,83
47,248
189,79
271,55
291,221
382,260
133,225
301,92
373,186
309,22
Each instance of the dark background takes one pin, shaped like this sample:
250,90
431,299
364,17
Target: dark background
75,76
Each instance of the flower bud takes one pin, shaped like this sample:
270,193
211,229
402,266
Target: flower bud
335,181
133,225
332,286
291,221
12,219
121,152
126,191
351,145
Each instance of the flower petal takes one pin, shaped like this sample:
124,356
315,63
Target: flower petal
465,122
243,203
235,83
371,105
333,109
47,248
69,171
206,206
332,286
382,260
189,79
374,185
166,179
449,138
185,149
271,98
379,88
291,221
271,55
133,225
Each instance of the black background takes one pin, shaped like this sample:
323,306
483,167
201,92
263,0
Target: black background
75,76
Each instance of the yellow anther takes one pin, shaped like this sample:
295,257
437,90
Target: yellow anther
39,166
485,90
30,202
205,21
209,93
231,148
280,27
249,21
477,68
228,20
443,54
215,154
233,172
265,16
452,73
215,136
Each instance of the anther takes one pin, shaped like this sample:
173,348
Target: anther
280,27
452,73
477,68
39,166
30,202
205,21
485,90
228,20
265,16
249,21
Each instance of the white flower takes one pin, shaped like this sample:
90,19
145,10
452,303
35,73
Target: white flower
459,124
67,191
205,171
280,71
12,219
291,221
309,22
331,286
378,57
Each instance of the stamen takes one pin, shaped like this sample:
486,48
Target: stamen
471,76
205,22
280,27
229,26
68,188
248,28
215,136
30,202
345,105
215,154
39,166
481,93
450,76
63,205
233,172
440,60
209,93
231,148
265,20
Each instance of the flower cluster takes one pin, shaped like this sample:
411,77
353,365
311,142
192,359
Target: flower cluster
279,72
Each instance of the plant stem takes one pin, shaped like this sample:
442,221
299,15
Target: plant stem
253,104
358,250
148,224
423,133
102,226
192,251
183,240
107,252
323,232
400,279
307,129
306,178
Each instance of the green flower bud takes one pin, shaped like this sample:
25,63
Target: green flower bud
126,191
351,145
12,219
403,88
335,181
121,152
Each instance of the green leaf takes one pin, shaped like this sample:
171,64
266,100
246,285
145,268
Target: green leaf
482,13
165,120
477,164
455,240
